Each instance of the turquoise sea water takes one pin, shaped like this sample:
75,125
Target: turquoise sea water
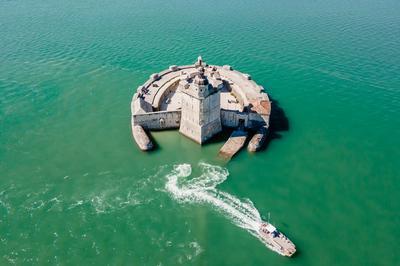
75,189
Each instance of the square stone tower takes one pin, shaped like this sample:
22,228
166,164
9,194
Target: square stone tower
200,113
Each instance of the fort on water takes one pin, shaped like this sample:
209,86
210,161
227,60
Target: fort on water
200,100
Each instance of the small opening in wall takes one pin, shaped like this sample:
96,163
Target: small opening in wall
241,123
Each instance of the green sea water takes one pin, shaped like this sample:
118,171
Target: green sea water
76,190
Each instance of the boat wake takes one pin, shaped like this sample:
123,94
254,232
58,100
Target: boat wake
202,189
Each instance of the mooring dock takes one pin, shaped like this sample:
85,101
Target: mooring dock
258,140
233,144
141,138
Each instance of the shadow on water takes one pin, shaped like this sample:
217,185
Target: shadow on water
278,123
297,254
153,140
220,137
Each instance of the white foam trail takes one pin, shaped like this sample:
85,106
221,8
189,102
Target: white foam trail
202,189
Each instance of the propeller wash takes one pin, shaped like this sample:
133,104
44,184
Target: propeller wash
202,189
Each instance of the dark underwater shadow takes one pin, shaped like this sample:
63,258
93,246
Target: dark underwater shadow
278,122
153,140
220,137
297,254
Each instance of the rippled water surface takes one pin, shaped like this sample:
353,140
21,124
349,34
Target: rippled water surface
75,189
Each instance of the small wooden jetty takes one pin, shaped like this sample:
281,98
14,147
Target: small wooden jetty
141,138
234,144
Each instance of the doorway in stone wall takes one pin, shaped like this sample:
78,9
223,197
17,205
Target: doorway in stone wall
241,123
162,123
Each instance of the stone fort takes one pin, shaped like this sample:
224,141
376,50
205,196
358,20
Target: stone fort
200,100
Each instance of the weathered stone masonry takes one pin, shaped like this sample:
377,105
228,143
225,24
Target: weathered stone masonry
200,100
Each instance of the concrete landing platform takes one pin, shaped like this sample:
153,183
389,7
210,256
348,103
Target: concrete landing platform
141,138
258,140
233,144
